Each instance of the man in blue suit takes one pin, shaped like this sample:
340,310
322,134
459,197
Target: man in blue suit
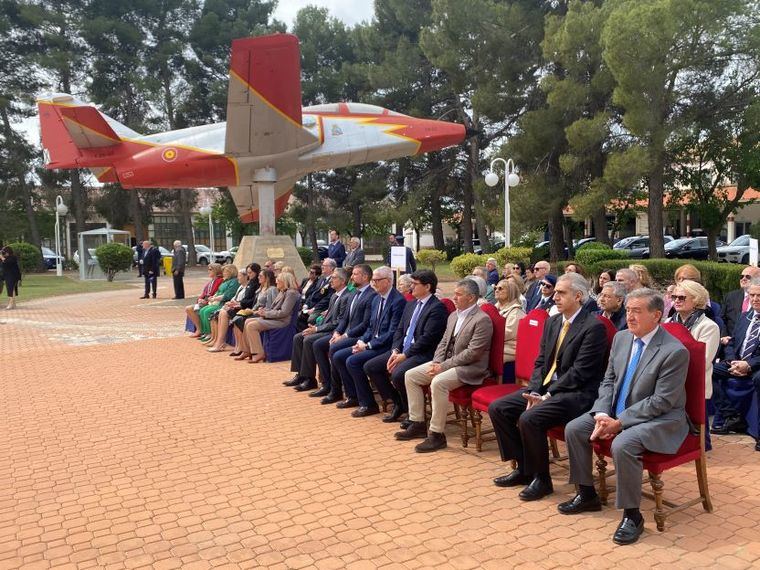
387,307
350,329
533,294
741,362
418,334
151,268
335,249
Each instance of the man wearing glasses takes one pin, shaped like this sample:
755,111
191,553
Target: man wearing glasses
740,365
737,302
546,297
533,295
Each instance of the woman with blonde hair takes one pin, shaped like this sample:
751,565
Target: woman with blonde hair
276,317
508,303
690,301
644,277
687,271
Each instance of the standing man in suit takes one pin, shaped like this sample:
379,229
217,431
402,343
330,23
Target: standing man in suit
737,302
335,249
641,404
179,262
349,330
563,385
740,363
533,294
387,307
151,267
355,254
302,361
460,358
420,330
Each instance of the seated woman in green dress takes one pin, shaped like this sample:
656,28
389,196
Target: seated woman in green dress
225,292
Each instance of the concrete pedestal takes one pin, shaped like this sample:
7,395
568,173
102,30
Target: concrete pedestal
276,248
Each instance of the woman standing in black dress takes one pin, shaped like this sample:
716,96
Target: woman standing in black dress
11,275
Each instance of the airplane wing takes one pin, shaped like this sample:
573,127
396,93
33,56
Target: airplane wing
246,199
264,98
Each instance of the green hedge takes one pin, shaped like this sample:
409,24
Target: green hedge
431,257
513,255
463,264
718,278
29,256
589,256
114,257
306,254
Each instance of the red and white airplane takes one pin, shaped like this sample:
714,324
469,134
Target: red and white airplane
267,131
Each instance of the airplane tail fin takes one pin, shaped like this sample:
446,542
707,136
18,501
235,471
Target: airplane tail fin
76,135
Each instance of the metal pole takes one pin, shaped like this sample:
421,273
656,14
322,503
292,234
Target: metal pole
211,233
58,265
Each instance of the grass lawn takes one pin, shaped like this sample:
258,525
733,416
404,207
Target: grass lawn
40,285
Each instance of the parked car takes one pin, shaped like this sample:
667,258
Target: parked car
637,246
322,249
735,252
49,258
688,248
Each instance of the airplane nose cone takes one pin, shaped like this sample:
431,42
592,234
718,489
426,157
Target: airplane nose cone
440,134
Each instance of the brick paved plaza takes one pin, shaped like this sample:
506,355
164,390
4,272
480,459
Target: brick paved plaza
124,444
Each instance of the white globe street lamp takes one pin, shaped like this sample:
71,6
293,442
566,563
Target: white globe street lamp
60,211
510,179
206,210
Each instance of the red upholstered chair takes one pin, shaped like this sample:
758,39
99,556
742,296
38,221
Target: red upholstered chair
558,433
449,304
693,447
529,331
462,397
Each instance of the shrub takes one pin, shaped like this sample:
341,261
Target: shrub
539,253
593,245
114,257
590,256
431,257
306,254
452,247
29,256
513,255
464,264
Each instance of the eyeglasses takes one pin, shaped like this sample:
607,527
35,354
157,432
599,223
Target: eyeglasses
378,279
681,298
547,285
746,276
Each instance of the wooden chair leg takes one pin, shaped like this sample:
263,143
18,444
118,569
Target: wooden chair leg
601,467
555,449
704,491
659,511
461,416
477,421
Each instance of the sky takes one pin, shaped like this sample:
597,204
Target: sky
349,11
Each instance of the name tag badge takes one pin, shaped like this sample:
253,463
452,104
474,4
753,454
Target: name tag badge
533,322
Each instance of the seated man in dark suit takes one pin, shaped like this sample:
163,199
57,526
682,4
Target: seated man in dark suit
348,331
533,295
546,295
302,360
737,302
348,362
318,296
563,385
611,302
460,358
419,332
740,363
641,404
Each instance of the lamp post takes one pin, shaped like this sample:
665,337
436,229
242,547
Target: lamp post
206,210
60,211
510,179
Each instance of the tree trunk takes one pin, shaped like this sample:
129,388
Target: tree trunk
436,219
311,228
655,208
26,192
556,246
357,230
136,211
599,218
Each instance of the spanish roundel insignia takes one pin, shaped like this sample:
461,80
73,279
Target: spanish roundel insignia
169,154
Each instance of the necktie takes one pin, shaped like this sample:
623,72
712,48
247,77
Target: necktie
745,304
379,317
562,333
353,302
409,338
629,372
752,338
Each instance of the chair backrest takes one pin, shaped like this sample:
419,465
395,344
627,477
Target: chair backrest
529,332
496,356
611,332
449,304
695,377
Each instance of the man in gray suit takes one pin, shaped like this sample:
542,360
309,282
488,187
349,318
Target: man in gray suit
460,358
179,261
355,254
641,404
302,361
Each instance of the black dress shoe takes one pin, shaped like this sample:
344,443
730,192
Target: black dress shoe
331,399
416,430
395,414
154,295
433,442
308,384
323,391
144,297
628,531
347,403
514,479
580,505
405,423
295,381
538,489
730,425
364,411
